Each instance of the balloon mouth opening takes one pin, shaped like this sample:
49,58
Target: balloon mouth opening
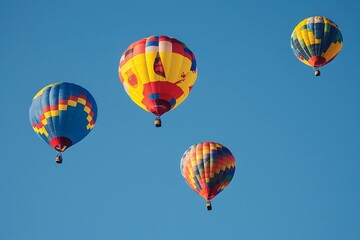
60,144
161,107
210,196
317,61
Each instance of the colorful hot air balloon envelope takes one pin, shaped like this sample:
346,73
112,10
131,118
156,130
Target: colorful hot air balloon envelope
158,73
208,168
62,114
316,41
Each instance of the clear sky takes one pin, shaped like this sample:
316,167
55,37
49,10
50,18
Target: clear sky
295,137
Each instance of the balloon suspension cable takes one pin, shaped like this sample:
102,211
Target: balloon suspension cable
157,122
59,158
208,205
317,72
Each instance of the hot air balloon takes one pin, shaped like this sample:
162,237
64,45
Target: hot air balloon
316,41
208,168
62,114
157,73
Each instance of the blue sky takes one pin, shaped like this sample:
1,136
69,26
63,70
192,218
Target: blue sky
295,137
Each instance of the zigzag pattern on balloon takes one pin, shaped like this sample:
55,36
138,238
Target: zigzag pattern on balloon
208,168
53,111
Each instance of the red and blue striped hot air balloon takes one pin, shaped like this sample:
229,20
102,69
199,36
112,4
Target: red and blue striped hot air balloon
208,168
62,114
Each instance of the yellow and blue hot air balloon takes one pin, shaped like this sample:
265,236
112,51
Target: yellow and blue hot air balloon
62,114
316,41
208,168
158,73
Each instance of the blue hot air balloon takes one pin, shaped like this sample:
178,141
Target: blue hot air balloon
62,114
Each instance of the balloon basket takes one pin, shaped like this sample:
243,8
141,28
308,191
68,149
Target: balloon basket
58,159
157,122
208,206
317,73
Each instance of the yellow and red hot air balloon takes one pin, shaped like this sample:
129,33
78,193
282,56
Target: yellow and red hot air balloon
316,41
158,73
208,168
